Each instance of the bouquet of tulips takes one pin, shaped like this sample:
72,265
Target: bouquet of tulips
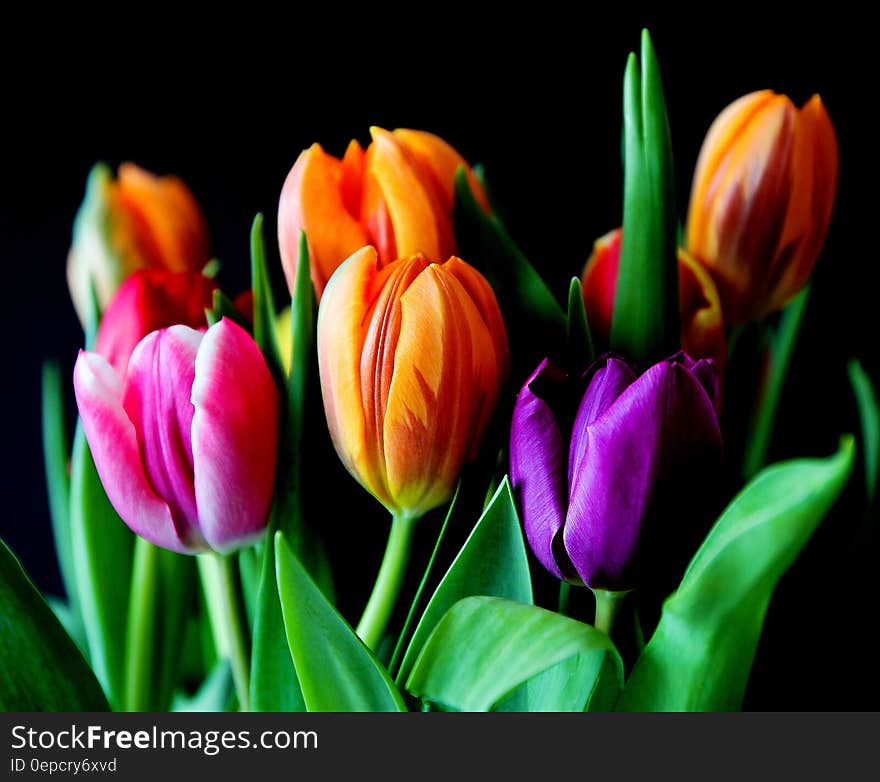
622,542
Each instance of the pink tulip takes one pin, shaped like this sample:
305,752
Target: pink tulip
185,444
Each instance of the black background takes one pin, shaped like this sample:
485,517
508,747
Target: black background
537,101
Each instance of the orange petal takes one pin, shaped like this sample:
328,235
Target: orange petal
702,321
442,161
420,222
442,380
172,230
312,200
344,307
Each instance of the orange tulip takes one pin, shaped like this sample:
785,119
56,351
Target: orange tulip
412,357
397,196
138,221
761,200
702,324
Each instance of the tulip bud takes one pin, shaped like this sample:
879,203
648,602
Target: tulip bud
702,324
597,462
397,196
412,357
761,200
185,444
151,299
138,221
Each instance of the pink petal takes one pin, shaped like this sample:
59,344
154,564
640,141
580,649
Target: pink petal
113,442
234,437
157,400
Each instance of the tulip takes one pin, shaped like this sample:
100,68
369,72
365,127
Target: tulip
185,443
702,322
598,461
151,299
761,200
412,357
138,221
397,196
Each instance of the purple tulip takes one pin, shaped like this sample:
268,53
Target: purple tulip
598,460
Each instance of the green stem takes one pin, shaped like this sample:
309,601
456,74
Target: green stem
223,594
607,603
393,666
564,594
140,639
764,417
387,586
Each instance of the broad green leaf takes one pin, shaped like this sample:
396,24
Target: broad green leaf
531,312
70,621
102,548
577,330
40,667
869,413
336,670
701,653
56,451
215,694
492,562
485,648
250,567
645,325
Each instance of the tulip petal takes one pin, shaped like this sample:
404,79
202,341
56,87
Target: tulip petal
148,300
443,363
171,229
234,436
113,442
657,427
702,320
537,462
607,379
599,283
421,223
313,200
157,400
441,160
346,307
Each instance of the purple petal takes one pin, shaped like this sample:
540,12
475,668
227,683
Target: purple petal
660,423
607,379
537,462
157,400
234,437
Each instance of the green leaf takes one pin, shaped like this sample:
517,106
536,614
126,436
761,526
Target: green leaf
56,450
264,303
531,312
102,547
215,694
492,561
701,653
645,325
485,648
577,330
274,684
336,670
224,308
40,667
869,413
